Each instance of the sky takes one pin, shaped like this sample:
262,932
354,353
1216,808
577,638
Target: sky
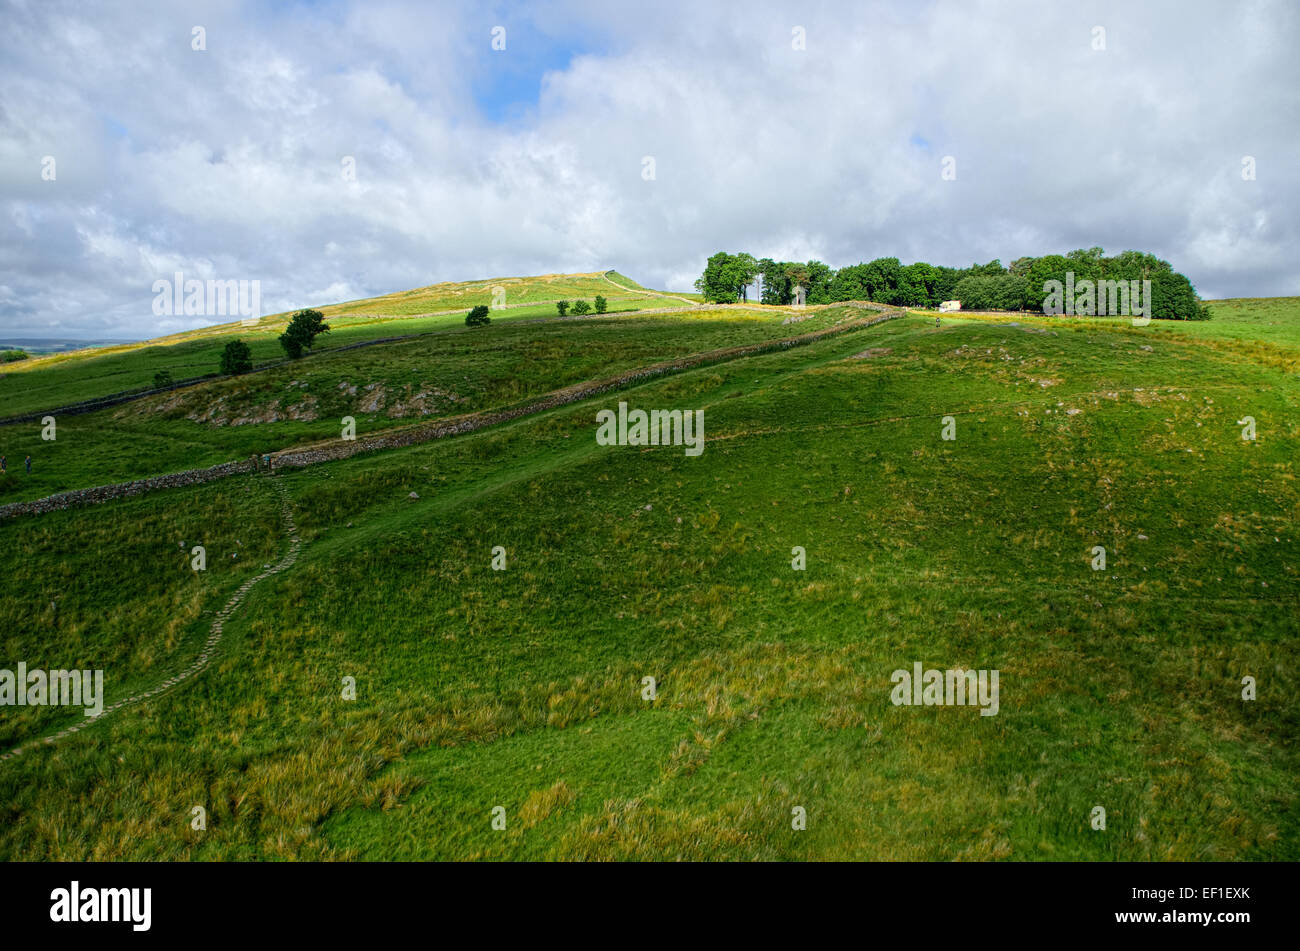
332,151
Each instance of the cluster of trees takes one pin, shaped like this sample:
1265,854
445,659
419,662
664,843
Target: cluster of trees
581,307
12,356
1019,286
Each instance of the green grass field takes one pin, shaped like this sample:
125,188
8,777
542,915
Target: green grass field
523,688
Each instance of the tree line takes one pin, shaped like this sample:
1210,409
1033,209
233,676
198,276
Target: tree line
1019,286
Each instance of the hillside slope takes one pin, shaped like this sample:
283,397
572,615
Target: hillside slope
56,380
444,373
524,688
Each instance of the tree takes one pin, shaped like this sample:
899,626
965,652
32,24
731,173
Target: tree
925,279
945,281
1020,286
744,270
1050,267
162,378
819,282
881,279
798,275
581,308
562,306
776,284
991,292
601,304
237,358
718,282
911,289
849,283
478,317
302,331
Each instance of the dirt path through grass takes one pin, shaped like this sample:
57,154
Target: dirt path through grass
210,646
655,293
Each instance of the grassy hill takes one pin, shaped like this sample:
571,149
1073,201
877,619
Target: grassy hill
61,379
446,373
523,688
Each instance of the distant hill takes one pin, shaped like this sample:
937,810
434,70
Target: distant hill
43,345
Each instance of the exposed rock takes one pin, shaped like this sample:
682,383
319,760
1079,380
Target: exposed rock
374,399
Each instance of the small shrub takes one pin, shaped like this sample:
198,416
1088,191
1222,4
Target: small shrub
237,358
562,306
600,304
162,378
478,317
12,356
581,307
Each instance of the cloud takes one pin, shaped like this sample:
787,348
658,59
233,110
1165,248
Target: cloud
229,162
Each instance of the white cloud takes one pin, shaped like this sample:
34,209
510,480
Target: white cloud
227,163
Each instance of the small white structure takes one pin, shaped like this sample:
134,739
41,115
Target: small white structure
799,295
949,305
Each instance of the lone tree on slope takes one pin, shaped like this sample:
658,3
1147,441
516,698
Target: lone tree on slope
478,317
302,331
237,358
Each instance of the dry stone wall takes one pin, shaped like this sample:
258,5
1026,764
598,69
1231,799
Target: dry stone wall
410,436
119,490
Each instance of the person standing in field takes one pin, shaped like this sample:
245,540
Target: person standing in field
2,464
28,460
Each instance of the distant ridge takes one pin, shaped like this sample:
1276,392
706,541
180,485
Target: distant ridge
54,344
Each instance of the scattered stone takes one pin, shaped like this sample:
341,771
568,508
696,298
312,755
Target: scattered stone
414,495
